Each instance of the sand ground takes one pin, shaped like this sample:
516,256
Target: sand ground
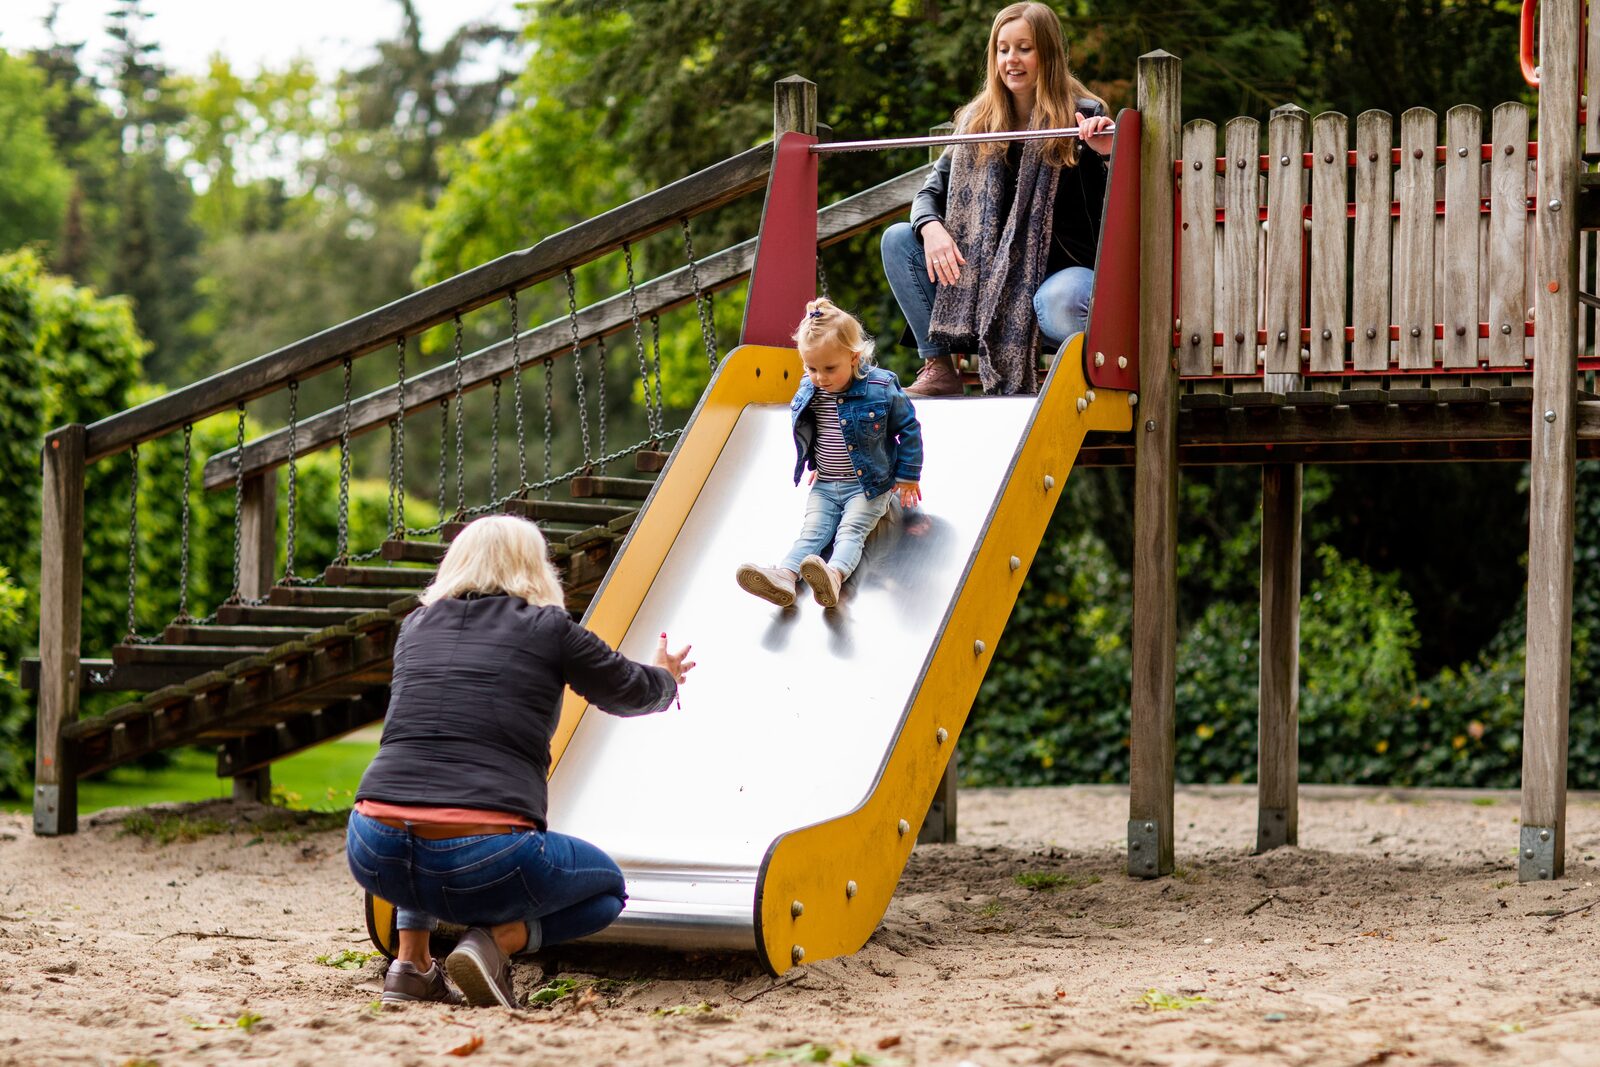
1397,932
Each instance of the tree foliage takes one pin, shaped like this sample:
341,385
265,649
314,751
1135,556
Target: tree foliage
34,185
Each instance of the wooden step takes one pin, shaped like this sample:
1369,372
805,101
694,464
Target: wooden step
270,615
199,657
650,462
312,596
379,577
231,635
588,486
413,551
104,676
565,510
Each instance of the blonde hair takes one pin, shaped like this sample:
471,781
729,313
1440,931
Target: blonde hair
495,555
1055,100
827,323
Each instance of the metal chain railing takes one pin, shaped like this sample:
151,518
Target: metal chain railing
133,541
289,577
397,440
655,345
822,276
343,543
494,442
577,362
600,391
183,529
461,415
652,412
702,299
516,389
444,449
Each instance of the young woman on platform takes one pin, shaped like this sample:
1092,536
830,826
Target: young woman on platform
1002,238
449,820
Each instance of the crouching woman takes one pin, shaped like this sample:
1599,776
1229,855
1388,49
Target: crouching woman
449,820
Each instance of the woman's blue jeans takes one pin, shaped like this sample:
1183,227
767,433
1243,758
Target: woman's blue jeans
562,887
839,512
1061,303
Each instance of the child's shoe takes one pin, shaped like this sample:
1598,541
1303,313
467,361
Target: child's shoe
823,580
769,583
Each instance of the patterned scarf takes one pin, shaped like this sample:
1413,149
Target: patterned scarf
990,308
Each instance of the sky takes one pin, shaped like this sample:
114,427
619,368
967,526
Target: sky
334,34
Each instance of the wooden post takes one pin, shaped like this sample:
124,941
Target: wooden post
794,106
258,534
1155,482
55,784
1552,468
1277,757
253,786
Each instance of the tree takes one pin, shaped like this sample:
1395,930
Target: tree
34,185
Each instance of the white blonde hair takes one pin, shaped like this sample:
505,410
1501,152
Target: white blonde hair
497,555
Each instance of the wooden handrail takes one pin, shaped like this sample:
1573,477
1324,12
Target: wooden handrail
699,192
836,222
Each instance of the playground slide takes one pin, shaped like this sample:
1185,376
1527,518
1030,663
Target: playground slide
774,810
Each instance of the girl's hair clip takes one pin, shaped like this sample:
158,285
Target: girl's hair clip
814,313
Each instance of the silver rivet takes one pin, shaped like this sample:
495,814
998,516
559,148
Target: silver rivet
1240,164
904,827
1528,852
850,889
1544,876
1133,400
1099,359
1549,416
1327,334
978,648
1283,335
1150,426
1327,157
1505,327
1149,827
941,735
1461,153
1136,846
1049,481
1083,405
1089,396
1122,362
1461,331
797,954
1283,161
1194,338
1555,205
1371,332
1015,563
1238,338
1544,835
797,909
1416,331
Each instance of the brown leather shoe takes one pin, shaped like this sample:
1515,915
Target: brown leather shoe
937,377
481,970
404,984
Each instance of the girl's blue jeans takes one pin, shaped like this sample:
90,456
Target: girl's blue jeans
562,887
839,512
1061,302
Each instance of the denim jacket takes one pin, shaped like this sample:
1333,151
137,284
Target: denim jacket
879,426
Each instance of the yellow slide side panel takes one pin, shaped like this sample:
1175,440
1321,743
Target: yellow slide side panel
750,374
825,887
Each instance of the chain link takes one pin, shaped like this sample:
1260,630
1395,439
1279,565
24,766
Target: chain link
549,405
397,436
343,548
516,390
702,299
822,276
294,498
238,511
652,414
461,414
133,539
444,450
577,362
655,346
494,448
183,529
600,397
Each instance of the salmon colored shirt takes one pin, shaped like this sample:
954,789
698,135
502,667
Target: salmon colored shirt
377,809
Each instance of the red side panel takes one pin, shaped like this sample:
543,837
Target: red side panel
785,275
1111,349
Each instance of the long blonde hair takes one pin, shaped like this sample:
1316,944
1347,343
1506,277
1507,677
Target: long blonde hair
1055,99
494,555
828,323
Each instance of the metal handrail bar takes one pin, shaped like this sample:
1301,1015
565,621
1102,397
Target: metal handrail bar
699,192
948,138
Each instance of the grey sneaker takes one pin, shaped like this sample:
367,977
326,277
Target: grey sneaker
481,970
404,984
769,583
823,580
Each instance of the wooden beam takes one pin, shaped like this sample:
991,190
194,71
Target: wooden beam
1155,524
55,782
258,534
255,753
705,189
1122,455
1552,470
837,222
1278,746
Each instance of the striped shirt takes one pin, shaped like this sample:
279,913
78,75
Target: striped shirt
830,453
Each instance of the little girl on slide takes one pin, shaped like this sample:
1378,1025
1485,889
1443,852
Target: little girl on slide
856,429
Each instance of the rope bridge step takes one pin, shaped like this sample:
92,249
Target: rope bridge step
542,511
378,577
104,676
270,615
586,486
263,636
194,657
301,596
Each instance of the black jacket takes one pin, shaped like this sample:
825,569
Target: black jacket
476,694
1080,196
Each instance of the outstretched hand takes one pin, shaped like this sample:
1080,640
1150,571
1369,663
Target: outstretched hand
1095,131
676,663
910,494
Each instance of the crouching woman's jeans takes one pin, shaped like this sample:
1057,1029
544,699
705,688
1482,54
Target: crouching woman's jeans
562,887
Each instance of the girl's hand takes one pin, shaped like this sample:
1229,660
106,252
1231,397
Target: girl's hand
910,494
1092,132
676,663
944,258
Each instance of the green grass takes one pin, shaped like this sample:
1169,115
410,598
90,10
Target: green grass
321,778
